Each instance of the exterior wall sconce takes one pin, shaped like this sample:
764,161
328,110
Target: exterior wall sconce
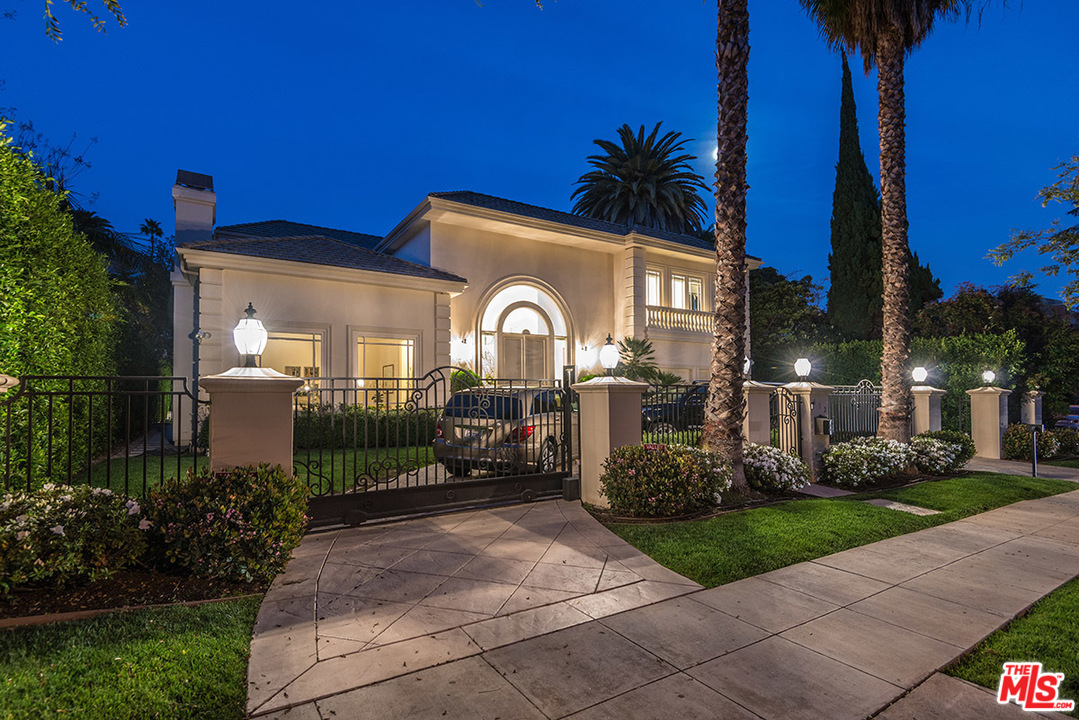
802,368
608,355
250,337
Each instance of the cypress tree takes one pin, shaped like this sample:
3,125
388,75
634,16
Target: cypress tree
854,297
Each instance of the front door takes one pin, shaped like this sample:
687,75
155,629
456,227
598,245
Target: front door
523,356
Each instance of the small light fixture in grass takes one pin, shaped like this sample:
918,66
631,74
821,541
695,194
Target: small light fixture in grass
250,337
802,368
608,355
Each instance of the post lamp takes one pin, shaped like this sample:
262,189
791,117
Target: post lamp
608,355
802,368
988,377
919,374
746,365
250,337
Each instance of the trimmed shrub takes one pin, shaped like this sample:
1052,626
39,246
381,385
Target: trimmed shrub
1017,444
866,460
769,469
323,426
238,525
663,480
59,534
955,437
1068,439
935,457
462,379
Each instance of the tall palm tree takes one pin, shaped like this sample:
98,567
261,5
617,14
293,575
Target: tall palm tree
726,403
885,32
152,229
643,181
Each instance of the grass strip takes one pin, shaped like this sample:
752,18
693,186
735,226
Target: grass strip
1048,633
742,544
177,662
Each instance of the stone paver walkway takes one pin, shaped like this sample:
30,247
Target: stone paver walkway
843,636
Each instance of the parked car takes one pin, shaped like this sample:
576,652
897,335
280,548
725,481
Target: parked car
501,430
671,410
1069,421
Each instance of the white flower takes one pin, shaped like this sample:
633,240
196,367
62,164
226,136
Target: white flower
133,508
144,524
58,529
22,535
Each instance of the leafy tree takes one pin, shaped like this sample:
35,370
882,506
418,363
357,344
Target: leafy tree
1059,241
643,181
52,25
884,32
785,318
725,407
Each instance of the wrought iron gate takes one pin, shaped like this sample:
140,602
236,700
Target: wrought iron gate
855,411
784,421
379,447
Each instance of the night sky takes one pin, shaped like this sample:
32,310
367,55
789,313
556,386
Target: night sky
348,114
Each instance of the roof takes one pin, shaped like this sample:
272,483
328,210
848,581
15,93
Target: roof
475,199
289,229
318,250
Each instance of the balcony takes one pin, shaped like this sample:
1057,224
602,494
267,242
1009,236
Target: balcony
665,318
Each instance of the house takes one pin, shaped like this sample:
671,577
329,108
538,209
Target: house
508,289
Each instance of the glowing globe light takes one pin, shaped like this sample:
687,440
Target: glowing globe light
608,355
802,367
988,377
250,337
919,374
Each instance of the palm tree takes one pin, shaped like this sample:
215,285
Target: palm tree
725,407
885,32
643,181
152,229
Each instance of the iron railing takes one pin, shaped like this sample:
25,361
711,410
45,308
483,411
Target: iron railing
110,432
785,421
673,413
854,410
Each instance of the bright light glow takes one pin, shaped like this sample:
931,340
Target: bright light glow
919,374
461,350
587,356
746,366
802,367
250,334
988,377
608,355
715,154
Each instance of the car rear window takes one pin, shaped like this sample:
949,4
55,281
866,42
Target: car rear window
483,405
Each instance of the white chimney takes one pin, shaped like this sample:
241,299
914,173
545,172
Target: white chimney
195,202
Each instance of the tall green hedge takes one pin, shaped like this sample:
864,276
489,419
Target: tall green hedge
57,315
955,364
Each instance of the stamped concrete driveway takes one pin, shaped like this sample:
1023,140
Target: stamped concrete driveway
539,612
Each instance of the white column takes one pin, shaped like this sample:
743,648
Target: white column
610,419
988,420
926,409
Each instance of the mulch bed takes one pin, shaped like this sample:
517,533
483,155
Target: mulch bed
122,589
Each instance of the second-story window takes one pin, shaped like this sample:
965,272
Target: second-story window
652,288
696,294
679,299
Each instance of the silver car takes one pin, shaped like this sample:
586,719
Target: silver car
503,431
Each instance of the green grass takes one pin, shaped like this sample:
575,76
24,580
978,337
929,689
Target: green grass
1048,634
742,544
1062,463
174,662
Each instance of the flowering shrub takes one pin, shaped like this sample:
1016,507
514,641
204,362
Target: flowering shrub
237,525
769,468
63,533
935,457
964,441
1017,444
663,480
1068,439
865,460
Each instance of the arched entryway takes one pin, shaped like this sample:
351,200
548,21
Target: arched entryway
524,332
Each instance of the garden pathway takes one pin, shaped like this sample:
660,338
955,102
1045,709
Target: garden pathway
375,622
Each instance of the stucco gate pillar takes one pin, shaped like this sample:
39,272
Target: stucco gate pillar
988,420
926,409
1030,407
250,417
610,418
757,423
813,422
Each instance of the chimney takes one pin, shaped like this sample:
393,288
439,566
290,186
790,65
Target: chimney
195,202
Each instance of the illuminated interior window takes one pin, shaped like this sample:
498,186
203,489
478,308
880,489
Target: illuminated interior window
652,294
525,320
696,294
385,357
298,354
678,292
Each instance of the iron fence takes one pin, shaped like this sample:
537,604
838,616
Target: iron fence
854,411
110,432
784,421
674,413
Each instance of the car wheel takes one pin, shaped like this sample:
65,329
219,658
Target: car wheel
663,428
548,458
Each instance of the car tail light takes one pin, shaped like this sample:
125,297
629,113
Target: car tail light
438,430
521,433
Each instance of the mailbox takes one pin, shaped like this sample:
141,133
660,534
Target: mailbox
822,425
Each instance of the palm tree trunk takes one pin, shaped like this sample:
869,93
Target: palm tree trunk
726,403
895,387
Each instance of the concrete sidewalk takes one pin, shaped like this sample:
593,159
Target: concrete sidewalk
844,636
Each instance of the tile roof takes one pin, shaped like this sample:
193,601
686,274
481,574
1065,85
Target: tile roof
289,229
467,197
318,250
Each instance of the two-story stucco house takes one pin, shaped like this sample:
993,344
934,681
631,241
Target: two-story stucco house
508,289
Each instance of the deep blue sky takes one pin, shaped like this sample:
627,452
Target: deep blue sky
347,114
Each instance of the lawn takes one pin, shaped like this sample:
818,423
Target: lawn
178,662
742,544
1048,634
1074,463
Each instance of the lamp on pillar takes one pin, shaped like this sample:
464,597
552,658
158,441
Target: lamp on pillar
919,374
747,364
250,337
802,368
988,377
608,355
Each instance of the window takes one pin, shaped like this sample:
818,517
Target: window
385,357
298,354
652,294
696,294
679,300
